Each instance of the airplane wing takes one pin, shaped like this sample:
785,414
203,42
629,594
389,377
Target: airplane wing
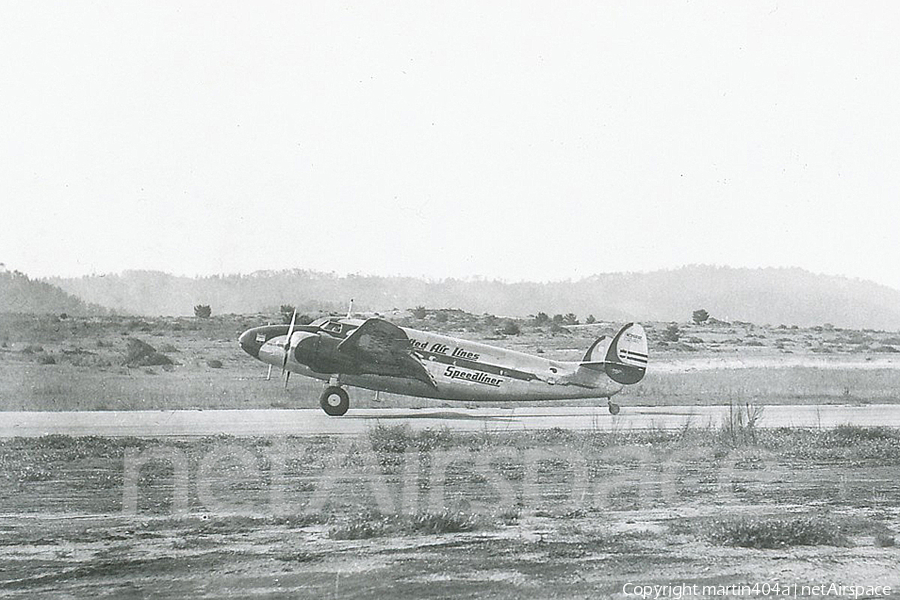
382,348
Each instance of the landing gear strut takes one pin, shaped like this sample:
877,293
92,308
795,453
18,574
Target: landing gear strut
334,400
613,408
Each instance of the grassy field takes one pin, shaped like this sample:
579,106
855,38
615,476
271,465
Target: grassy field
49,363
436,514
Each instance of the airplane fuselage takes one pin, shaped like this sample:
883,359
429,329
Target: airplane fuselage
459,369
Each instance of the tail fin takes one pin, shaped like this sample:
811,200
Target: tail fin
624,357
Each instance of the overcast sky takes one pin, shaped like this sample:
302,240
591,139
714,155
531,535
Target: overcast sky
517,140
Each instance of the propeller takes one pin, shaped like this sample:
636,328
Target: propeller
287,347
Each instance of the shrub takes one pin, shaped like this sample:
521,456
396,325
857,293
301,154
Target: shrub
287,311
141,354
46,359
202,311
214,363
672,333
700,316
557,328
510,328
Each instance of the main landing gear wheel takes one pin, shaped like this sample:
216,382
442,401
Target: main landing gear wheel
335,401
613,408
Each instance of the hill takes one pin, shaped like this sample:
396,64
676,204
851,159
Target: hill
20,294
790,296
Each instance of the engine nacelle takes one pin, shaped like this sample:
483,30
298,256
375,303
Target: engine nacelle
319,352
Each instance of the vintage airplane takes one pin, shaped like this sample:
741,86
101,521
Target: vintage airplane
378,355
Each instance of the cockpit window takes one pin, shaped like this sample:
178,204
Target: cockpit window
333,326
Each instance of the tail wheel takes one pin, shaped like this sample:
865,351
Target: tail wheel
613,408
335,401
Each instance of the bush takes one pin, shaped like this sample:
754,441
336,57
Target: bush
214,363
700,316
202,311
510,328
142,354
46,359
557,328
672,333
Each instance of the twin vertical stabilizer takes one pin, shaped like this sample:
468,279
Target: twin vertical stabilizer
624,357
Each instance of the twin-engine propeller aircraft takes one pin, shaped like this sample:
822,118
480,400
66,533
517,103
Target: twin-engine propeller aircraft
378,355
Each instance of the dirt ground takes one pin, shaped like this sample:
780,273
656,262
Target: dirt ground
438,514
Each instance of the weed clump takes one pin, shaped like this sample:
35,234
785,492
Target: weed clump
46,359
852,433
399,438
367,525
885,540
769,532
442,522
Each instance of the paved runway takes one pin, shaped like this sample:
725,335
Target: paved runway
305,422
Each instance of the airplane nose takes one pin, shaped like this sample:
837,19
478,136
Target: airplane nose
250,342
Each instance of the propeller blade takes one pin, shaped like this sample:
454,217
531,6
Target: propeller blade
269,373
287,342
287,348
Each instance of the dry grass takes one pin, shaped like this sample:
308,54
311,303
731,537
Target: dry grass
770,532
93,379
